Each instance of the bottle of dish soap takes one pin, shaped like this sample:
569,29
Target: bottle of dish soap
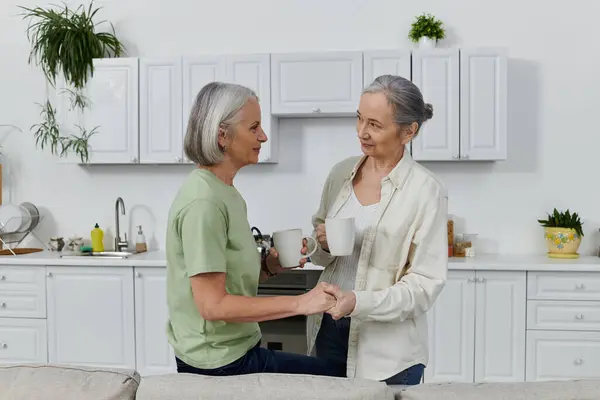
97,239
140,241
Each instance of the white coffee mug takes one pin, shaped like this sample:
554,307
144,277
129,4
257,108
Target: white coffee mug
288,244
340,234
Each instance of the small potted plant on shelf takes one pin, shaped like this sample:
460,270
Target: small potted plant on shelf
563,233
426,30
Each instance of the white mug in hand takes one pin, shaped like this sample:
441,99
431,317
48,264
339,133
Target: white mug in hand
340,234
288,244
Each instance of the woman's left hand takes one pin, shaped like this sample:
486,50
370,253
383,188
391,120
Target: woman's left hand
346,301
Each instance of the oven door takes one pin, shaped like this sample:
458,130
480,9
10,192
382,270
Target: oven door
287,334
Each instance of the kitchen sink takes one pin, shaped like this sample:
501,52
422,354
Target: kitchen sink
100,254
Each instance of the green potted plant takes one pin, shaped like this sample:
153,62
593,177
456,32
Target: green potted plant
65,42
426,30
563,233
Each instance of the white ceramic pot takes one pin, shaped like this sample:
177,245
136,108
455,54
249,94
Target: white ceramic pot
427,43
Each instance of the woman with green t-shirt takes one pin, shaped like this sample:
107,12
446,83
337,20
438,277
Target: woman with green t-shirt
213,268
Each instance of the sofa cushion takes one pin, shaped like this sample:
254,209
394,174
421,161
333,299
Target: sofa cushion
554,390
260,386
49,382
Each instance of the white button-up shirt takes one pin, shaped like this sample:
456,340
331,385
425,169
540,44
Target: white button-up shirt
401,269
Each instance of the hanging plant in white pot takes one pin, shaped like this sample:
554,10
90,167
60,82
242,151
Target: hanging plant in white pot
426,30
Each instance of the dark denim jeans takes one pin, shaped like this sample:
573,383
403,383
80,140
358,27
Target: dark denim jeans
332,345
258,359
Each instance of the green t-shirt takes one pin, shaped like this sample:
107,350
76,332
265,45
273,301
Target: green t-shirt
208,231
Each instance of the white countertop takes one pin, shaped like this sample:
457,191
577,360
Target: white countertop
479,262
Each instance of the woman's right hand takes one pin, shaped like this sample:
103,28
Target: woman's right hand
322,237
316,301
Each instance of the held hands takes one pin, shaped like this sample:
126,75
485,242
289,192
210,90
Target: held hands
345,301
327,298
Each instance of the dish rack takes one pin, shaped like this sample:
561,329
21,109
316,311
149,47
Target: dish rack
16,237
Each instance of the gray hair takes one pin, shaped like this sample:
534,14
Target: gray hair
217,105
404,97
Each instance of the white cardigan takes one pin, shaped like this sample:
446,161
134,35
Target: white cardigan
401,270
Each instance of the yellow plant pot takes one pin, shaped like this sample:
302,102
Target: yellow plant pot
562,242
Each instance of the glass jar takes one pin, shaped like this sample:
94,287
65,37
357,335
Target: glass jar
464,245
450,235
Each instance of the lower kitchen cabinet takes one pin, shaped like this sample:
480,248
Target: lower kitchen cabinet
486,326
91,317
477,328
154,354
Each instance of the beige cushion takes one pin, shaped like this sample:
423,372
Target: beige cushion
563,390
49,382
260,386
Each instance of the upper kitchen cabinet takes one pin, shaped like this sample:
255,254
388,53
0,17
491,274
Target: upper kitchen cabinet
436,73
161,87
468,89
112,107
197,72
385,62
483,104
254,72
310,84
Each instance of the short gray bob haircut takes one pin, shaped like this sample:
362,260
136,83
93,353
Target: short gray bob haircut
404,97
217,105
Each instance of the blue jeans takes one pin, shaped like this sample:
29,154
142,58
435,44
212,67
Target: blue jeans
258,359
332,345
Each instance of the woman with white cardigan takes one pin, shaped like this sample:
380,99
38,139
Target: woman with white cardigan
378,327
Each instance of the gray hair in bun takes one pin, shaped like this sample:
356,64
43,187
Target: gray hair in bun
404,97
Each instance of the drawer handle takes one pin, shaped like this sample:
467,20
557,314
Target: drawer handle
2,305
579,316
581,286
2,277
4,345
579,361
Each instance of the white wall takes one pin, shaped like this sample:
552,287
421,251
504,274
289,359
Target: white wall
553,108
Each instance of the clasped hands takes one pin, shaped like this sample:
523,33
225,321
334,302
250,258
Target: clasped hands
329,298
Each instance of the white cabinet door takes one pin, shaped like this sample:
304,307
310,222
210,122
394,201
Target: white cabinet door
197,72
254,72
113,110
386,62
326,84
483,104
161,132
154,354
500,325
562,355
452,330
436,73
23,340
91,316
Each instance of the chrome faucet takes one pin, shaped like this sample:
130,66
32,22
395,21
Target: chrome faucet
119,244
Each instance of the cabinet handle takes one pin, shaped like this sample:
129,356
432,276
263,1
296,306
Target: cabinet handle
137,275
316,110
178,159
579,361
472,279
581,286
456,157
134,160
3,305
2,278
49,274
4,345
480,280
465,157
579,316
